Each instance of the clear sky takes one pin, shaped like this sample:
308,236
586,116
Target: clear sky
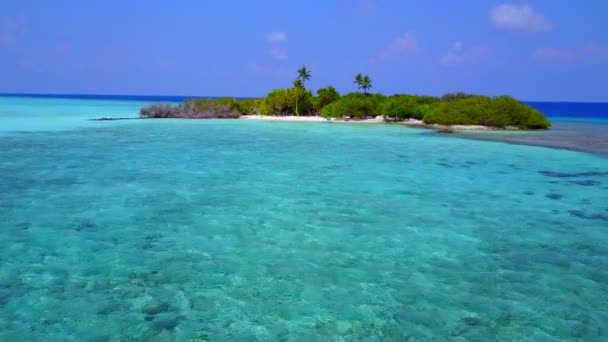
533,50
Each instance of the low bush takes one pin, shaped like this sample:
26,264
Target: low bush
325,96
482,110
158,111
222,108
399,107
355,105
421,111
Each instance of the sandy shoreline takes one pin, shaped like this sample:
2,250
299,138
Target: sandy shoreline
376,120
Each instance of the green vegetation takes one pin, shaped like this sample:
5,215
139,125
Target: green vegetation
450,109
298,85
216,108
355,105
402,107
324,97
363,82
500,111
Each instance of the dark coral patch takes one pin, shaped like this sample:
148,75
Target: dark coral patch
577,213
5,296
85,226
23,226
586,182
572,175
602,217
166,323
583,215
591,174
555,174
554,196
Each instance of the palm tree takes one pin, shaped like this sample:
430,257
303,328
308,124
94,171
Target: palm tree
298,85
303,74
366,83
358,80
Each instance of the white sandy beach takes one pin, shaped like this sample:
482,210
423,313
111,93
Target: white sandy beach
376,120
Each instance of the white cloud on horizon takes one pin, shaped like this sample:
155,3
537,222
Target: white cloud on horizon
276,37
405,45
522,18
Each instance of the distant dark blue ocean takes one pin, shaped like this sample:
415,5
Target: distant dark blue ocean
138,98
598,110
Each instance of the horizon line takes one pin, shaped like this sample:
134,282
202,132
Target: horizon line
126,96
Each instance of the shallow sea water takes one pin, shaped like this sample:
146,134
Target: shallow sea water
245,231
577,134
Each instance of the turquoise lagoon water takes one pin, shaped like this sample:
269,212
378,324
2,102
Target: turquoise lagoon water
242,231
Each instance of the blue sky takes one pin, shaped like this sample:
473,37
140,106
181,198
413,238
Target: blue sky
533,50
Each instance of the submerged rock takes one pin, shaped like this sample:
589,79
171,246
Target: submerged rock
471,321
573,175
601,217
109,308
4,296
166,323
23,226
155,307
445,130
85,226
583,215
555,174
112,119
586,182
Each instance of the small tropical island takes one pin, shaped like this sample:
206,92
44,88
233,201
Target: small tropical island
449,112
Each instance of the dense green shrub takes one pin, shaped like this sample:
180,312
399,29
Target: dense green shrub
426,100
421,111
482,110
248,106
355,105
275,103
283,102
518,113
455,96
304,101
324,97
403,107
399,106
